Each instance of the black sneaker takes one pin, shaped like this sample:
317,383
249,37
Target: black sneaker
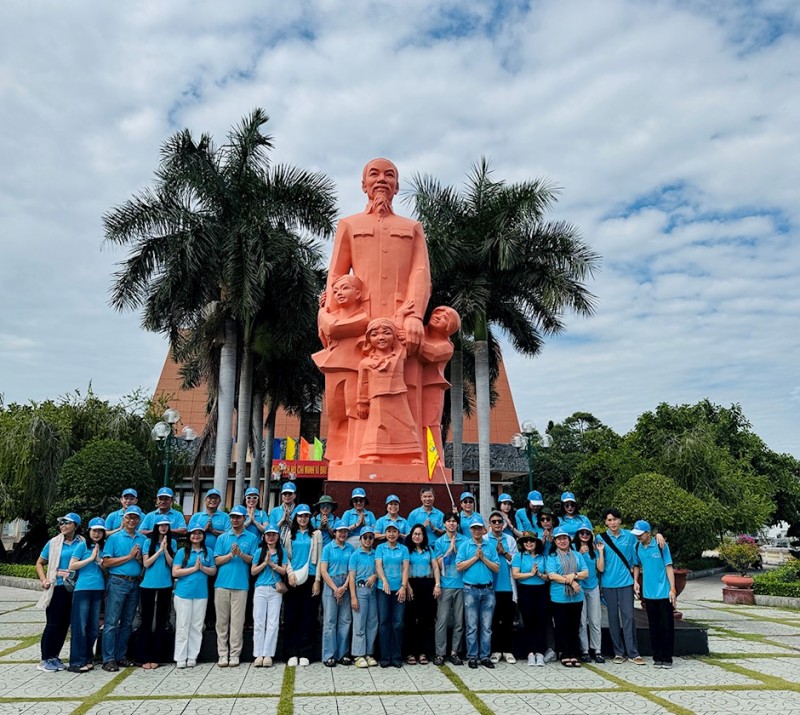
438,660
487,663
586,658
473,663
74,669
384,664
397,663
455,660
598,658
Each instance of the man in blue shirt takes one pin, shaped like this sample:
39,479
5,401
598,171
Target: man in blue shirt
114,520
122,559
164,500
233,554
468,513
428,515
658,587
505,547
450,610
478,564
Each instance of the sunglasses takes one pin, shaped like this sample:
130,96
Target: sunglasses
546,518
236,516
358,499
368,537
467,501
64,522
495,521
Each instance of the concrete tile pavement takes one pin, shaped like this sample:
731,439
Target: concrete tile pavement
752,668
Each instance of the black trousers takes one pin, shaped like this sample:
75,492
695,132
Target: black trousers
153,602
534,607
300,620
567,623
503,621
58,615
662,628
419,617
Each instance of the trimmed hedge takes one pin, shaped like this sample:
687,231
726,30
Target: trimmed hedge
19,570
782,581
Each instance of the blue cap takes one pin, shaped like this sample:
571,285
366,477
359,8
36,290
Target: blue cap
568,496
393,497
272,530
239,509
165,492
130,492
134,510
477,520
586,527
97,523
302,509
341,525
466,495
214,493
560,531
390,525
194,527
288,487
504,497
250,491
162,520
535,498
358,492
367,530
640,527
73,517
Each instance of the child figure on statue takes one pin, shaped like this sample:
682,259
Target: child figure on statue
389,428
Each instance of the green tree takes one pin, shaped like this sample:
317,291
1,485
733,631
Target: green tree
498,262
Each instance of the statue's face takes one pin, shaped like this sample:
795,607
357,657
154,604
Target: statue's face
345,293
381,337
380,176
439,321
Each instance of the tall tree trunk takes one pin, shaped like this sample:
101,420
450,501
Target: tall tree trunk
243,420
227,388
457,413
483,410
257,438
269,438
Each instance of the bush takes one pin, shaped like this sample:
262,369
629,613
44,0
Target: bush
782,581
19,570
739,555
685,520
91,480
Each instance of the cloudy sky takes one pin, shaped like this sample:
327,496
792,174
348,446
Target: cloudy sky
672,127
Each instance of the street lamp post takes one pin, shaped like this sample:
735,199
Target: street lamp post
163,434
528,443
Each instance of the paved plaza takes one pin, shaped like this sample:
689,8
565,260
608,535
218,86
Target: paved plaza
754,668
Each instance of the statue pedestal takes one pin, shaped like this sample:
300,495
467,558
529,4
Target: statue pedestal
385,473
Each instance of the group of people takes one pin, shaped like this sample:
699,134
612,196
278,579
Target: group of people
387,590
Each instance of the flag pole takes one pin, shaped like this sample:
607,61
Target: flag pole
444,479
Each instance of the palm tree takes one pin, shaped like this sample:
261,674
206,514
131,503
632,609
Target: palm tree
499,263
205,242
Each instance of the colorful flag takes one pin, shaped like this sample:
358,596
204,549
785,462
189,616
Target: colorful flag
433,453
277,449
305,449
319,450
291,449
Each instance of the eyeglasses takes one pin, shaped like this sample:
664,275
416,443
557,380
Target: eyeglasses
249,496
495,521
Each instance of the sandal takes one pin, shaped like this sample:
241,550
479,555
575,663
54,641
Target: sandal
86,668
423,659
567,663
576,663
411,660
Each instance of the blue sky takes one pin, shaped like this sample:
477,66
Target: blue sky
671,126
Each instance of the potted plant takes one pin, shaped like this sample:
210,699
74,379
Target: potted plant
740,554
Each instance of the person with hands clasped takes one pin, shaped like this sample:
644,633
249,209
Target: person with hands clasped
337,616
392,516
505,505
529,570
504,589
282,515
450,610
593,555
478,563
357,517
654,562
527,518
165,498
191,568
269,567
392,565
324,519
257,519
424,589
428,515
364,600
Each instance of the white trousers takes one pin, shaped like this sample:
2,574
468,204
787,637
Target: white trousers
266,619
190,614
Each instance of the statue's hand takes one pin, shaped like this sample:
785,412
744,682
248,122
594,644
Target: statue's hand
362,410
414,332
323,297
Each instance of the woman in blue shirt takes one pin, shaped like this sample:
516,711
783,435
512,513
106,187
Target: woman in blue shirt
566,569
571,518
529,570
527,517
334,569
57,599
505,505
155,592
268,567
191,568
424,587
592,553
392,565
363,600
87,598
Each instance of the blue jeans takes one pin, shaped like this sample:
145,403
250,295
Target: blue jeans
391,614
336,620
478,612
122,598
85,626
365,622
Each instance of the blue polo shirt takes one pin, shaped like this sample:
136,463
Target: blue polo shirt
268,577
420,516
615,575
219,521
524,562
114,520
195,585
450,576
337,558
591,563
402,525
654,562
392,560
235,574
176,520
479,573
419,563
350,517
558,593
277,514
158,574
67,550
502,579
120,544
573,523
465,522
91,577
301,546
261,517
362,564
332,523
526,524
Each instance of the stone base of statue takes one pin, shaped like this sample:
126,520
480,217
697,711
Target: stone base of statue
380,473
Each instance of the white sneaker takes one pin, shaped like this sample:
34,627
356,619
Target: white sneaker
550,656
371,662
495,658
531,659
180,665
191,663
267,661
509,658
361,662
539,660
222,662
304,662
258,662
292,662
234,662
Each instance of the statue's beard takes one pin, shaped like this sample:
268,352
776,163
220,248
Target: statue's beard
381,203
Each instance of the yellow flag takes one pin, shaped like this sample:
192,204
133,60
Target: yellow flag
433,453
291,449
